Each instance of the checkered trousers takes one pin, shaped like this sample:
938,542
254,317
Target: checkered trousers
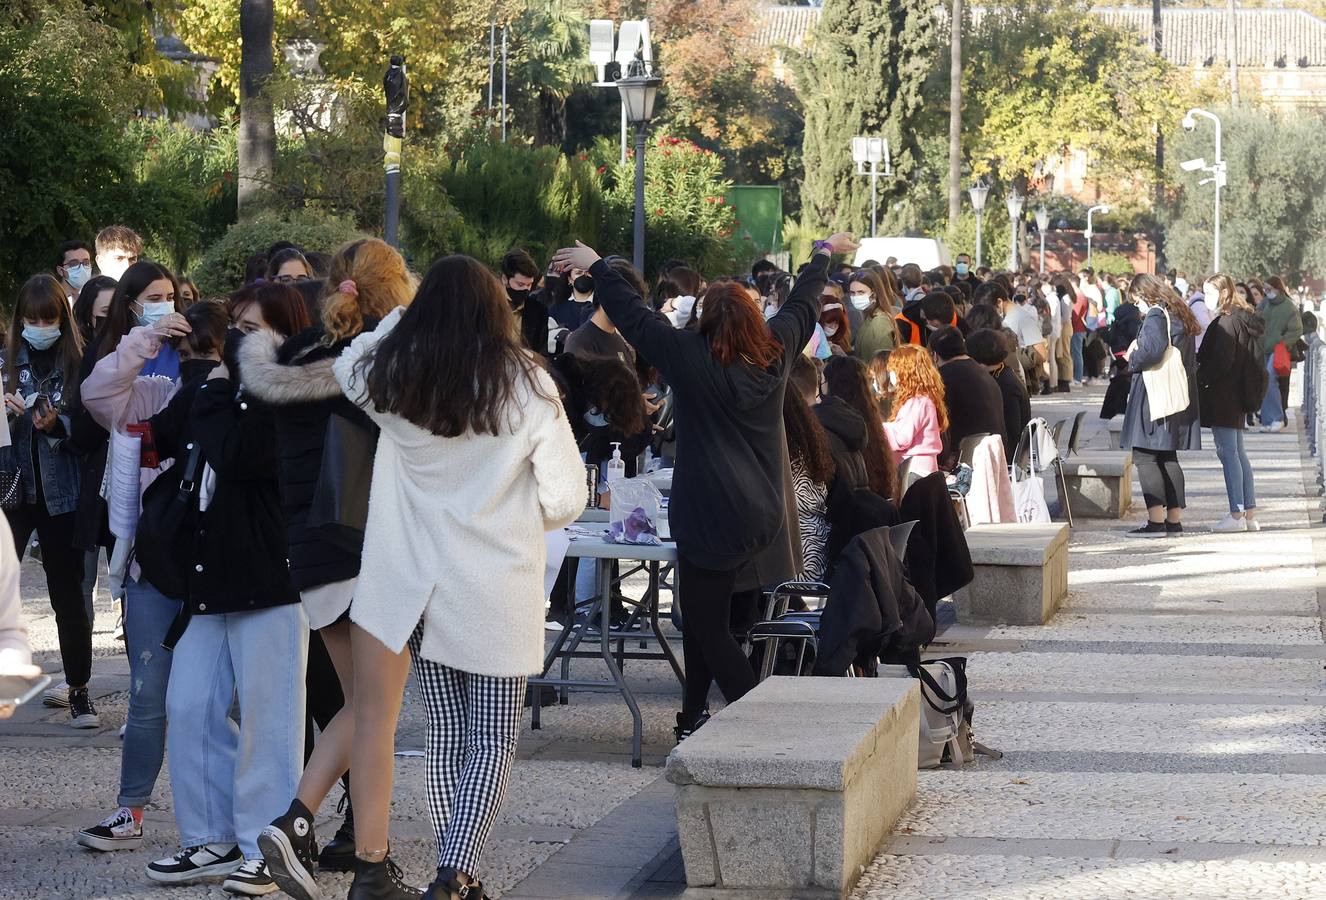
473,725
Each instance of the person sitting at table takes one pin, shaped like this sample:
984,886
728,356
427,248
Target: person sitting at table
475,462
728,502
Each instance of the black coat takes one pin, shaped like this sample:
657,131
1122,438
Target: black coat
938,561
1181,431
533,325
91,443
295,379
1231,370
873,610
1127,323
1017,408
847,434
729,486
975,405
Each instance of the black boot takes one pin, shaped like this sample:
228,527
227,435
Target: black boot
289,850
380,881
339,854
447,886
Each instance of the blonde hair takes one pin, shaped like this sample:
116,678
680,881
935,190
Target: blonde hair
1229,299
381,283
917,377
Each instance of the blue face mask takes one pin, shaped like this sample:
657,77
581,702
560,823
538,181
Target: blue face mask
961,268
154,312
78,275
41,337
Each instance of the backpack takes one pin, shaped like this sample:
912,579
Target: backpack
1254,378
946,712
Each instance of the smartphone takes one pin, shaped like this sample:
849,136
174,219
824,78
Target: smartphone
17,691
148,458
42,405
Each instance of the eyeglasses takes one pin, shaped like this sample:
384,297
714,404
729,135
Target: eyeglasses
289,279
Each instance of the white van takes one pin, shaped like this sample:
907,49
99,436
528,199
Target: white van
925,252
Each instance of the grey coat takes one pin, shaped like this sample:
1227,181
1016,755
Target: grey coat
1181,431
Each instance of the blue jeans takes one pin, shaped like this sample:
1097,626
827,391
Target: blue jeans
147,617
229,781
1271,407
1237,468
1079,361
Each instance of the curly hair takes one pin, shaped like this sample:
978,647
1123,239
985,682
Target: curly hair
806,440
917,377
845,377
609,385
382,283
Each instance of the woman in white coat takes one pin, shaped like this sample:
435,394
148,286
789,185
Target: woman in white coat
475,462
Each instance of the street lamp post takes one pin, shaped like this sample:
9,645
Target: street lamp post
396,86
1104,210
1217,170
978,192
604,49
1042,225
871,151
639,89
1014,203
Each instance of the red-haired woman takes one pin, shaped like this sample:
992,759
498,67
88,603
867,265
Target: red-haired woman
728,501
833,319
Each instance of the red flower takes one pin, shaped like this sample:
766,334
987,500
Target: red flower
659,211
602,169
721,200
583,157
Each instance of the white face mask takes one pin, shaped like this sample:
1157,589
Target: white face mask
1210,293
830,330
862,301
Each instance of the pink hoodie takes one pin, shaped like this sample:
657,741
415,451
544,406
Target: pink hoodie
914,434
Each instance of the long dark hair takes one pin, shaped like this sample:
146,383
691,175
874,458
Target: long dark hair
455,360
609,385
41,297
806,440
282,306
1156,290
845,377
87,300
120,318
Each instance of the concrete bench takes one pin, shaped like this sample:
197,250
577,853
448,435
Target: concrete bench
1115,428
1021,574
788,792
1100,485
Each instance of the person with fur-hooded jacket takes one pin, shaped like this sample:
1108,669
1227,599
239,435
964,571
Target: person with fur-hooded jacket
366,280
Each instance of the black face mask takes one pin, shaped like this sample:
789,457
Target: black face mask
584,284
516,297
194,369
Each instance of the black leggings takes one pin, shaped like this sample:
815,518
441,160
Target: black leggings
1161,477
709,610
64,564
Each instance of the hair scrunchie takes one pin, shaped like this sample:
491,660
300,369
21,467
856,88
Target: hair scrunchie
348,287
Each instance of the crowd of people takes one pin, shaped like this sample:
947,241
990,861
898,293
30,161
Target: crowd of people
340,470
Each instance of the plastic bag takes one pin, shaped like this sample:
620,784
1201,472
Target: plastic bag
634,512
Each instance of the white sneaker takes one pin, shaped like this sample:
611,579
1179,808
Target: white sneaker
56,696
1228,525
118,831
1250,524
196,863
250,880
1273,428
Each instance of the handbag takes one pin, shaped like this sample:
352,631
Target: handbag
1167,382
1029,487
167,528
1280,360
339,511
11,483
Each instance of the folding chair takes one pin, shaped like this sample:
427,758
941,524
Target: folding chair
966,453
1056,435
1074,434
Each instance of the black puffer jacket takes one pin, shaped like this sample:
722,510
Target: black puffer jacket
295,378
848,437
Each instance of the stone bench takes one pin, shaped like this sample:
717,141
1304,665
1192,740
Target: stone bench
1114,427
1099,485
788,792
1021,574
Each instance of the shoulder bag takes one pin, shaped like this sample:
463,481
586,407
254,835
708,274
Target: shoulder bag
167,528
1167,382
339,512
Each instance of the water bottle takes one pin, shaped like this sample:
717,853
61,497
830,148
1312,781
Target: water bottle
616,465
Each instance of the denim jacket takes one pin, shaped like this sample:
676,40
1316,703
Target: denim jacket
59,468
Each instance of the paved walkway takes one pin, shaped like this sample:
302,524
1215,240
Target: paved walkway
1163,739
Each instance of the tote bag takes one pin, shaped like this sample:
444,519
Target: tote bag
1167,382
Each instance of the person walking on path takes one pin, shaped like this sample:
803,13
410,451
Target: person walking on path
476,461
1284,325
1231,379
1156,442
729,497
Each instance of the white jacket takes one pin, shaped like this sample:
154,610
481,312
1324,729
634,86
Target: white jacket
455,528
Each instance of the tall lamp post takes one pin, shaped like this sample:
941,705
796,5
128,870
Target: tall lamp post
397,88
1217,170
978,192
1014,203
604,50
1103,210
639,89
1042,225
871,151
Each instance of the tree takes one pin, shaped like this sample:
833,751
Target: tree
864,76
257,124
1273,211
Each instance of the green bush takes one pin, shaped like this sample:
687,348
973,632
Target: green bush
1111,263
221,268
487,197
686,216
961,238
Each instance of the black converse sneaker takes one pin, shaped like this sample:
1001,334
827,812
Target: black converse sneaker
380,881
196,863
82,714
119,831
287,848
250,880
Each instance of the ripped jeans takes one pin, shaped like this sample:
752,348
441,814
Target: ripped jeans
147,617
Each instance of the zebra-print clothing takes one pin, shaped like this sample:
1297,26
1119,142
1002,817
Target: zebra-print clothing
812,517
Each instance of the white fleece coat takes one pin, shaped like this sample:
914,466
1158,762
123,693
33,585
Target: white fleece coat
455,528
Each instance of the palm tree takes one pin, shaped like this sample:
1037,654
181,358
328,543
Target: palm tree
553,35
257,127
